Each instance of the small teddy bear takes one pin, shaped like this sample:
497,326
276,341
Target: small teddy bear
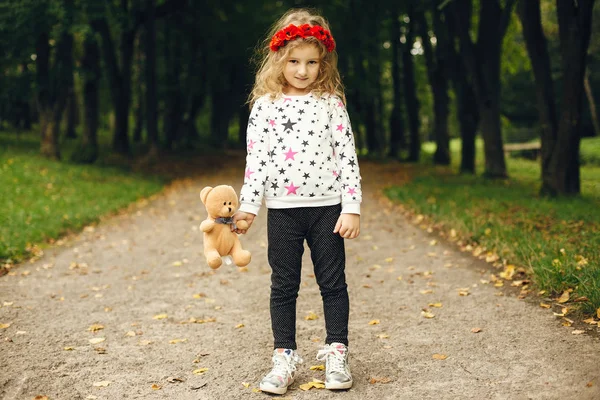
221,203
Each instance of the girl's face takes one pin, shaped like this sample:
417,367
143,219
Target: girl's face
301,69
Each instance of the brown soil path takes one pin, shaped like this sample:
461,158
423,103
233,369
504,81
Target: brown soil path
147,263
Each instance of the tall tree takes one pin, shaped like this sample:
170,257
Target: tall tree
396,119
53,75
151,97
410,86
437,65
90,70
560,133
482,59
466,103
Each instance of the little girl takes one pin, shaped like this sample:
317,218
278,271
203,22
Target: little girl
301,159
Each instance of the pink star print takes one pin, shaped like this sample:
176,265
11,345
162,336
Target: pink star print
335,173
272,122
287,99
340,104
251,144
290,154
351,191
291,189
248,173
340,127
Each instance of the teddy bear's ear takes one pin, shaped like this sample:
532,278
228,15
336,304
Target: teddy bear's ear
204,193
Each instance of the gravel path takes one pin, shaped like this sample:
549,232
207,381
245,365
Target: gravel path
128,309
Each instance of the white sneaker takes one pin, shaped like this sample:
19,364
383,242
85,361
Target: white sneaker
283,372
337,372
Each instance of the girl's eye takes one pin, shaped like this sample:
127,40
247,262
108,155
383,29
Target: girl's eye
313,62
293,61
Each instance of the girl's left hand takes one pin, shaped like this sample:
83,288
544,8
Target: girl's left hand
348,226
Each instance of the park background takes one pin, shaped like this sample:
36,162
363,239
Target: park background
106,103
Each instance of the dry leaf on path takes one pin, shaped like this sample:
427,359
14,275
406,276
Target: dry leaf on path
238,326
156,387
160,316
544,305
577,332
175,341
317,384
95,327
4,326
426,291
246,385
200,371
564,297
476,330
311,316
427,314
374,322
40,397
318,367
436,305
439,356
102,383
97,340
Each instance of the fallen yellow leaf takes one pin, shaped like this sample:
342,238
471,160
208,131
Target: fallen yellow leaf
399,278
317,384
102,383
383,336
389,259
577,332
544,305
130,334
200,371
318,367
198,295
246,385
311,316
156,387
177,263
4,326
68,348
97,340
255,390
95,328
160,316
439,356
436,305
590,321
374,322
427,314
145,342
40,397
564,297
427,291
175,341
238,326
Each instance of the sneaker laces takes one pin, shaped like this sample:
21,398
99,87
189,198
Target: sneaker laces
336,360
285,365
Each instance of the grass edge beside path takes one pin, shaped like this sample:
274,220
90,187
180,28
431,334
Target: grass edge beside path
553,242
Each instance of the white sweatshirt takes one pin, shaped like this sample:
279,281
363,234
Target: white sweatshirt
300,153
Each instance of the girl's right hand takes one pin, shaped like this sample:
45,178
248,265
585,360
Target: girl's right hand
242,216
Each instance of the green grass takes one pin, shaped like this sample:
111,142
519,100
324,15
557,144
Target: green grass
557,240
43,199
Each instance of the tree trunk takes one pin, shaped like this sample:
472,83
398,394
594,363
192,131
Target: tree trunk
151,101
90,65
574,21
482,61
396,118
410,90
537,48
438,81
138,107
72,114
120,81
590,97
174,100
466,104
53,84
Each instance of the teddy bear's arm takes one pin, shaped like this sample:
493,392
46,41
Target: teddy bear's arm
207,225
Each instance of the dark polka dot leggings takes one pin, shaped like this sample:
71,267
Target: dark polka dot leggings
287,230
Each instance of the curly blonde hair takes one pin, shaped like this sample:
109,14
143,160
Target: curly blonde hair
269,76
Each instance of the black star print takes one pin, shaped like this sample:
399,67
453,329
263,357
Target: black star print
251,121
312,163
300,111
310,133
306,175
266,130
282,171
263,163
351,163
342,156
280,140
274,186
304,143
289,125
256,192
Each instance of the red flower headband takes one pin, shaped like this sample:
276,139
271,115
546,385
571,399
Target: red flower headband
292,32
